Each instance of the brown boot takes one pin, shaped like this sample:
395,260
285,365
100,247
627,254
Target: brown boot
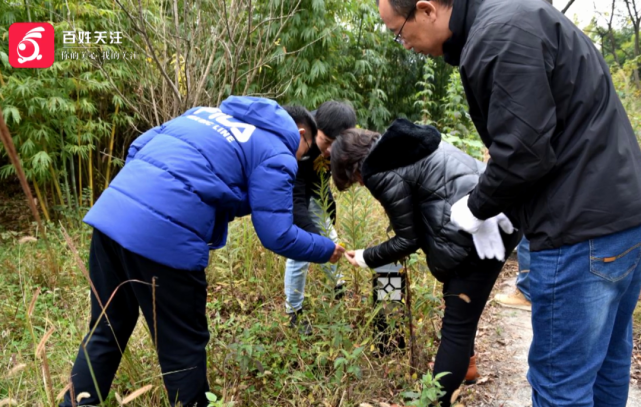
515,300
472,374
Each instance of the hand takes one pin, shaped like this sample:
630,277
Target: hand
505,224
487,239
355,258
350,256
462,217
338,253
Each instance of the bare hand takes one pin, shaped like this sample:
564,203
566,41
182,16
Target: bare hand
350,255
338,253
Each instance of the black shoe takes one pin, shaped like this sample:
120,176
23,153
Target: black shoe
339,291
304,326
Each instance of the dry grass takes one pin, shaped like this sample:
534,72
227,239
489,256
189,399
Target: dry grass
254,358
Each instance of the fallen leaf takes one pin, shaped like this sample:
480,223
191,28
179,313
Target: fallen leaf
62,392
482,380
455,396
137,394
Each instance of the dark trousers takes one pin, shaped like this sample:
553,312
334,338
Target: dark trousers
176,315
474,278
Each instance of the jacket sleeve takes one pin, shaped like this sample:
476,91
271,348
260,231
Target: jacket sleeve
141,141
508,72
270,198
396,197
301,205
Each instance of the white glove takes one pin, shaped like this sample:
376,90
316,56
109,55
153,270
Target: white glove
462,217
487,239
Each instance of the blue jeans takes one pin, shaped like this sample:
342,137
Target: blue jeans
296,271
583,297
522,279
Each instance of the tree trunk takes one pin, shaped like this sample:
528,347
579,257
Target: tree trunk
613,42
636,54
633,12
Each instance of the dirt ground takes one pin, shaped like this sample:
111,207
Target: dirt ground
503,341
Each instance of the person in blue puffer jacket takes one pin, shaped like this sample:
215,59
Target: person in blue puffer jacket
182,183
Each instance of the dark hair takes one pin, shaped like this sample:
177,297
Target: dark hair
348,153
404,7
302,117
334,117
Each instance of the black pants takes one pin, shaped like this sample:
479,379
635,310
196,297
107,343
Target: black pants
474,278
177,315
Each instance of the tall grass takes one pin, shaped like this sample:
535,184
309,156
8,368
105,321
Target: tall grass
254,358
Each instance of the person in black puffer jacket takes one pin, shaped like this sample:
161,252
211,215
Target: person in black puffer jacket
417,177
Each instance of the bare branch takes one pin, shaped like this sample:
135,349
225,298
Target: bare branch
143,32
567,6
178,53
131,105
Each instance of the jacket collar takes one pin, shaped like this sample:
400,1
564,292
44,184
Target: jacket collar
463,16
403,144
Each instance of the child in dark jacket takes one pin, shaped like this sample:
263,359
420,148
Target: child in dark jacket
417,177
182,183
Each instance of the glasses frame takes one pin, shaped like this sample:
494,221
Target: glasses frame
398,38
305,157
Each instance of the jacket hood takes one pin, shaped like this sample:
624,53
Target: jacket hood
403,144
265,114
463,16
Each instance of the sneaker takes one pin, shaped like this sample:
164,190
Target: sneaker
304,326
515,300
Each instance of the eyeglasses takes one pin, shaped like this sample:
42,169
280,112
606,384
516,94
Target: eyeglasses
398,36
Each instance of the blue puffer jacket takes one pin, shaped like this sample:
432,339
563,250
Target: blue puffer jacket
186,179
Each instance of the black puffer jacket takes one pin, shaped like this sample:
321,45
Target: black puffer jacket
417,177
565,163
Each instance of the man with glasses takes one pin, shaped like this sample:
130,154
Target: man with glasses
564,164
314,206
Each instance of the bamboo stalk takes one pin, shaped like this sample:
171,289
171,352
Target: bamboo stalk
43,204
79,155
80,202
73,182
56,184
111,147
66,173
90,166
